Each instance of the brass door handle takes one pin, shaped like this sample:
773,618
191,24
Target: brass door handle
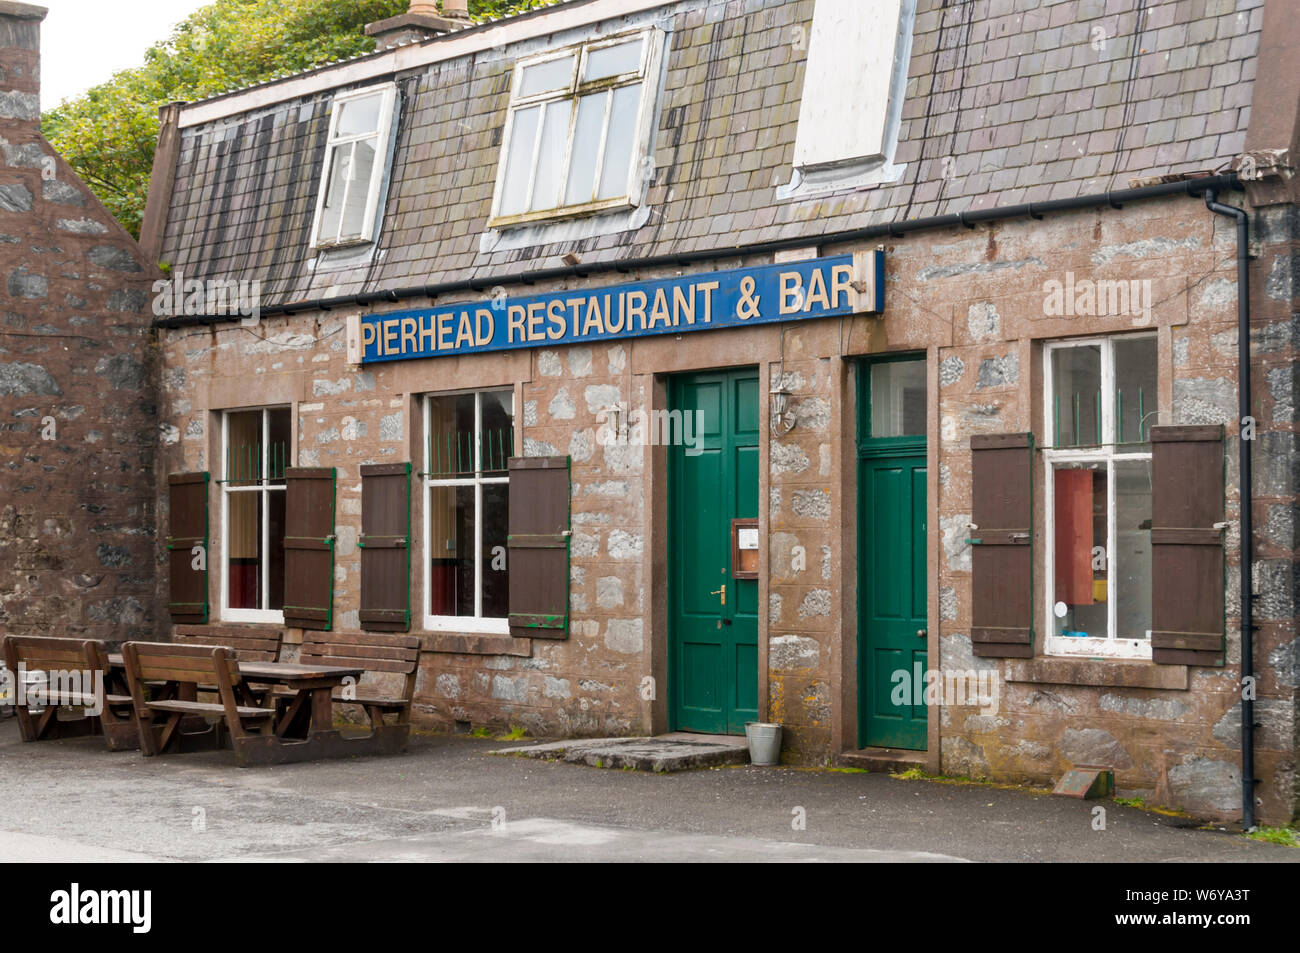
720,592
920,633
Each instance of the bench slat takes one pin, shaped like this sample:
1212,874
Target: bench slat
375,700
370,665
208,708
396,640
359,651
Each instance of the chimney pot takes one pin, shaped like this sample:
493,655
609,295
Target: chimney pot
422,20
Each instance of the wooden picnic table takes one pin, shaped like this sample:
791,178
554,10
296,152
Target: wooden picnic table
309,710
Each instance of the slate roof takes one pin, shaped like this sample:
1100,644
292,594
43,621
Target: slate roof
1007,101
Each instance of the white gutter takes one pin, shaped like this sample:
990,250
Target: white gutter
566,16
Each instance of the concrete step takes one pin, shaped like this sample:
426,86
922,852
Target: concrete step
678,751
883,760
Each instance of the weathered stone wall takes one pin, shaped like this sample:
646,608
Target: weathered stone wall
590,683
1275,320
1002,106
805,512
77,414
346,417
973,303
1171,734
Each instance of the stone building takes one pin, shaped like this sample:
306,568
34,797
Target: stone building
867,367
78,422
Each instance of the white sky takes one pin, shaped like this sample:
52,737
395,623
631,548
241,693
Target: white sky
84,42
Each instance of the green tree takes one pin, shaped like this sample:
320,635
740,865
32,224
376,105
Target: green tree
108,135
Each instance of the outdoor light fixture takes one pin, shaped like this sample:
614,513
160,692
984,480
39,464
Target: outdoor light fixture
783,415
614,420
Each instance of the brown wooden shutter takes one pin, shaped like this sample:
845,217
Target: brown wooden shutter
538,547
309,547
1002,552
386,547
1187,611
187,505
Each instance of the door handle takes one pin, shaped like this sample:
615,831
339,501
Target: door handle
920,633
721,592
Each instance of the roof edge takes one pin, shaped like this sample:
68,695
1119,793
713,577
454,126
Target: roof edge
1115,199
463,42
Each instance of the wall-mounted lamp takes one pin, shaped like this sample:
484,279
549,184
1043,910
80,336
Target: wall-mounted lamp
782,411
613,420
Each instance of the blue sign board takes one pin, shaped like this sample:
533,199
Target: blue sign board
797,291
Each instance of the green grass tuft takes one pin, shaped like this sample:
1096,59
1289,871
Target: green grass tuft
1285,836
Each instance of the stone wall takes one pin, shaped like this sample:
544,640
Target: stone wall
973,303
77,411
1172,738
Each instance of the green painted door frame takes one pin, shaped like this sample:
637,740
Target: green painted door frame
713,643
892,580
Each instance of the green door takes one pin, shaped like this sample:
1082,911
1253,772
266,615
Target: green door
892,580
713,617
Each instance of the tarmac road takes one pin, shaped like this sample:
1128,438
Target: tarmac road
448,799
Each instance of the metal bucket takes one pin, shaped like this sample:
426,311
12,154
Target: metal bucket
764,742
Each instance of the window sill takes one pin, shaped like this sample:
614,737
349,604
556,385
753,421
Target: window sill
501,238
342,257
454,643
847,177
1105,673
231,617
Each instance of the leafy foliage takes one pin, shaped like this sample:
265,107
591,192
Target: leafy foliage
1285,836
108,135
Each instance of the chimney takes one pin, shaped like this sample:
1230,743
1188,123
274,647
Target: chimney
20,65
422,21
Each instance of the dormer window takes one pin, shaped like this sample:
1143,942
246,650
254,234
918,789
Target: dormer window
850,112
578,127
356,164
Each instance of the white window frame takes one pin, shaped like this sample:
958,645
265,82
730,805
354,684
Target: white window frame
264,488
449,623
383,144
1108,453
647,74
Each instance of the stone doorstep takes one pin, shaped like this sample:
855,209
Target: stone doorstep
882,760
678,751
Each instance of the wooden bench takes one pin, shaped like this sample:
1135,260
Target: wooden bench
253,645
379,653
82,680
184,668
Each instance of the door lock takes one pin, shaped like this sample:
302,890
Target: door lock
721,592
